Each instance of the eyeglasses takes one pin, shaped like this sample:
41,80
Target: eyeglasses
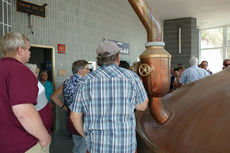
226,64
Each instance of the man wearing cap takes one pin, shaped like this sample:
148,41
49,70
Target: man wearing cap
107,97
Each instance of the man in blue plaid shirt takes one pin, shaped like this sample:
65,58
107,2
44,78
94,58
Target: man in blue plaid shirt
107,97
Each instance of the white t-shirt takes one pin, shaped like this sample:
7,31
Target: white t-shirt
41,100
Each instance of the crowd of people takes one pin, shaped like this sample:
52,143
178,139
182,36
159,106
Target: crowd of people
181,76
99,104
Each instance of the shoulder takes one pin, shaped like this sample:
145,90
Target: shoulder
203,70
72,80
191,69
20,70
123,72
186,71
110,71
48,84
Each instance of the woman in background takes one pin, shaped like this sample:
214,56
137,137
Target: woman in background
47,84
42,105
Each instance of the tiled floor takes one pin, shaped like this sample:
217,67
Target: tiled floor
61,143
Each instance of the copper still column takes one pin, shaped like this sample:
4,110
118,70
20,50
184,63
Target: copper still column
154,69
155,61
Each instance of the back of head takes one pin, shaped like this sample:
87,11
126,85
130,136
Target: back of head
193,61
78,65
10,43
107,53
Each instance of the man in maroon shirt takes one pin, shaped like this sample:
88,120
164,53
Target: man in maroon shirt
21,129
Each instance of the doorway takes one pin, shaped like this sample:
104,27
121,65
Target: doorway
44,57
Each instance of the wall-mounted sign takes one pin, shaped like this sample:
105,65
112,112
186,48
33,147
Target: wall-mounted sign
61,72
61,48
30,8
123,46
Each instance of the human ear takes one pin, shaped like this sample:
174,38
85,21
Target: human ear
20,50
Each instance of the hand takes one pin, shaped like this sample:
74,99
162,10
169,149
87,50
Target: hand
176,73
65,108
46,141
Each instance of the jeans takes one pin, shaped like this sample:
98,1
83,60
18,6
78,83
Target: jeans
79,144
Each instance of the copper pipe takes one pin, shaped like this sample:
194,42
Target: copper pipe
148,19
157,111
157,83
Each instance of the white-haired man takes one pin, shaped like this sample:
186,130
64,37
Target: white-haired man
107,97
192,73
22,129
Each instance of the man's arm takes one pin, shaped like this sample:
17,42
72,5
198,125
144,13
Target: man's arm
32,123
56,97
142,106
77,120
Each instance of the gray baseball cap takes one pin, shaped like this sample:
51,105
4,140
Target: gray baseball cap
108,46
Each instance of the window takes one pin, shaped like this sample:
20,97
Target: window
5,16
228,42
215,46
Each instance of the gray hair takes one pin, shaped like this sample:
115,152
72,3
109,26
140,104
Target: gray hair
78,65
32,67
193,61
11,41
104,59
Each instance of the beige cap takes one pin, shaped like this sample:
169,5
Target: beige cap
108,46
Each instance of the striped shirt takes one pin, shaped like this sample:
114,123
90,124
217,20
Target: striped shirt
107,97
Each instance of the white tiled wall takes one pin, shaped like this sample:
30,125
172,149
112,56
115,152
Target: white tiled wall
81,25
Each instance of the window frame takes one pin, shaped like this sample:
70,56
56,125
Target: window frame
224,47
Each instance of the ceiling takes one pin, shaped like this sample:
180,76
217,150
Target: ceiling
209,13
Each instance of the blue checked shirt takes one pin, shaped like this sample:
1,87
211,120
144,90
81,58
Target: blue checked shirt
107,97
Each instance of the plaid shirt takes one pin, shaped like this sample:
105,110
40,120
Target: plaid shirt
107,97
